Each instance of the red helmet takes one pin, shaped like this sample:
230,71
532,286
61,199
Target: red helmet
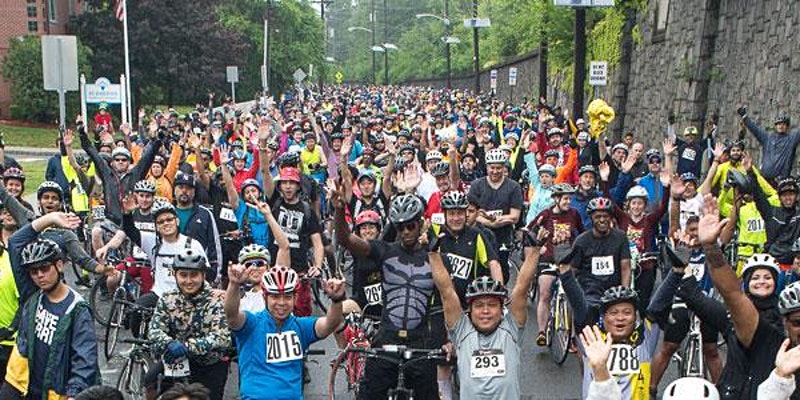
599,204
14,173
368,217
279,280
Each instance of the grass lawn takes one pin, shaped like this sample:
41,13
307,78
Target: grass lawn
29,136
34,174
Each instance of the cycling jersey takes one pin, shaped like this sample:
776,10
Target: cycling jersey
466,256
253,222
367,286
488,365
144,222
271,358
598,261
642,233
557,223
498,202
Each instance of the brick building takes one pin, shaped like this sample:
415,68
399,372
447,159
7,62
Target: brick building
34,17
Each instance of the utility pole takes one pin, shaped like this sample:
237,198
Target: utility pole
385,40
475,46
447,43
543,56
322,68
579,74
372,17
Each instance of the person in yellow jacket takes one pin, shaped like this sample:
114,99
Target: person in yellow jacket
162,172
9,303
720,174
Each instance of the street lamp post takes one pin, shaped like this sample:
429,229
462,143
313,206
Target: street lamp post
447,39
363,29
386,48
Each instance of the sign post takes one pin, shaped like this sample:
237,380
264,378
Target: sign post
232,73
512,80
598,73
123,96
60,68
493,81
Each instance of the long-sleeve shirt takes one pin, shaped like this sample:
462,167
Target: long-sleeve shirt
777,150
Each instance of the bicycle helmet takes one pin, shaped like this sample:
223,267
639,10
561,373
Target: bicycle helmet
404,208
289,158
14,173
250,182
551,153
789,299
368,217
238,155
337,135
512,135
688,177
761,260
599,204
144,186
49,186
189,259
440,169
406,148
737,179
547,169
738,143
496,156
782,119
40,252
279,280
81,159
121,151
404,133
787,184
690,131
587,168
616,295
367,174
653,153
620,146
485,286
454,200
162,205
254,252
433,155
691,388
562,188
637,191
554,131
367,152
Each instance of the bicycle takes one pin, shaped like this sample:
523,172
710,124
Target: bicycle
403,357
139,360
360,334
689,359
560,327
124,298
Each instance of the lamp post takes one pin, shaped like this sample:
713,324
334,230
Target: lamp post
447,39
386,48
363,29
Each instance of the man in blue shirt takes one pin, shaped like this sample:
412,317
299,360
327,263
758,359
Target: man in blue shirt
272,342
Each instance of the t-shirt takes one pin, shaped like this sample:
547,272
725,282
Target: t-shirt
367,286
47,316
298,222
252,301
184,214
144,222
272,359
498,202
569,221
488,365
407,284
466,256
249,217
598,261
161,258
691,207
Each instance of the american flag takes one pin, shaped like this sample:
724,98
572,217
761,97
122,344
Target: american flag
119,9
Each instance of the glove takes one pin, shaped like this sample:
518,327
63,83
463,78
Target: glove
175,351
742,111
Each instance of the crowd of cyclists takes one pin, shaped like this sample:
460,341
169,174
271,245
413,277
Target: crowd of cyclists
444,218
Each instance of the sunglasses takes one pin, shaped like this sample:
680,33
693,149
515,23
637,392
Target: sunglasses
408,226
256,264
120,159
165,220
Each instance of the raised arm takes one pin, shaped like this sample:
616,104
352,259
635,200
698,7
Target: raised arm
356,245
237,275
335,289
705,188
455,175
233,196
344,173
444,283
519,295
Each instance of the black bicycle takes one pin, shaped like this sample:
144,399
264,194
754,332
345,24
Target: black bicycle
139,360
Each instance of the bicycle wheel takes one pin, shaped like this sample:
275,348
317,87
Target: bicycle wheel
559,345
690,359
115,320
131,379
98,301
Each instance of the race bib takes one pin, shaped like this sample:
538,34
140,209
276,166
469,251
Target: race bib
374,294
622,360
689,154
99,212
603,266
487,363
494,213
755,225
226,214
282,347
461,266
437,218
138,253
698,271
178,369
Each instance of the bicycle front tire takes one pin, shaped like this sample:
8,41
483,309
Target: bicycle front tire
115,317
559,345
131,378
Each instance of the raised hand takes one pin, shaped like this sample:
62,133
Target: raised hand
787,361
263,132
668,146
596,348
224,154
68,138
710,226
627,165
677,186
64,220
719,149
238,274
347,146
128,203
605,171
335,289
336,195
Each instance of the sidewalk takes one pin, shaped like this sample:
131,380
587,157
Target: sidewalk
15,151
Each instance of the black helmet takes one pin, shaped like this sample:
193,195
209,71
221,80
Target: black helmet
787,184
440,169
599,204
561,188
588,168
405,208
616,295
162,205
337,135
189,259
782,119
454,200
40,252
737,179
289,158
49,186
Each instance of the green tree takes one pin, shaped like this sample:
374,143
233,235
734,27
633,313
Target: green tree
22,67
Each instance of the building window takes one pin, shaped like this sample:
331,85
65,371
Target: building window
33,26
661,20
51,10
31,10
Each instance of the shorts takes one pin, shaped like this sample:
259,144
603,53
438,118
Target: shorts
548,269
302,303
381,375
675,332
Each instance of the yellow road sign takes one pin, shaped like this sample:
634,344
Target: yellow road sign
339,77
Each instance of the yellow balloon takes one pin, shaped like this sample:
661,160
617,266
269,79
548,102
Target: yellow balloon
600,115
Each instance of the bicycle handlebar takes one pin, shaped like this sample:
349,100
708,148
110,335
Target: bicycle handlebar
407,353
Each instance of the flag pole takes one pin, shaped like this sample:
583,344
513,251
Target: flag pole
127,61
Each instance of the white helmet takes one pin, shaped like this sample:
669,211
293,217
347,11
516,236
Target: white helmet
433,155
789,299
762,260
637,191
496,156
691,388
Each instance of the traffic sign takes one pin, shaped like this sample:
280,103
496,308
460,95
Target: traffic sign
299,75
103,91
512,76
339,77
493,79
60,69
477,23
232,73
598,73
585,3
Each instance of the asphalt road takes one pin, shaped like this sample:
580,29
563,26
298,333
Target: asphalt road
541,378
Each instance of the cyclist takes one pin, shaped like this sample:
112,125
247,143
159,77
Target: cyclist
272,342
245,204
14,183
197,221
782,231
487,340
370,198
56,348
749,228
500,200
586,190
540,187
601,256
754,312
367,277
407,291
142,217
778,149
188,327
563,222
